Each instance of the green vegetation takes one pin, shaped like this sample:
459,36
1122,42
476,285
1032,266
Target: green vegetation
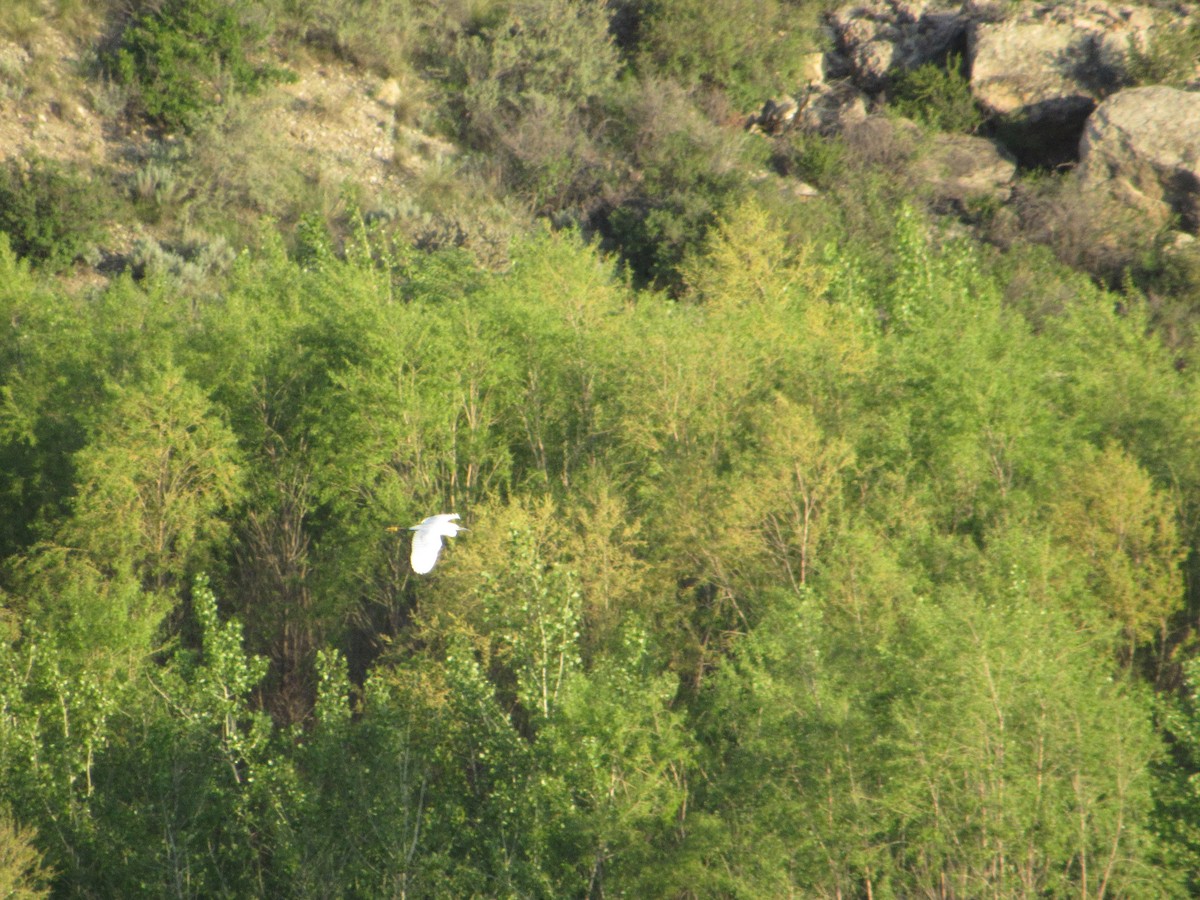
745,48
816,547
52,214
746,569
184,57
937,96
1170,57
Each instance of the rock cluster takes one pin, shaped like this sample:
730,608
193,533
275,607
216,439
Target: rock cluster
1143,145
1052,80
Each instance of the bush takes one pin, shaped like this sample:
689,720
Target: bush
51,213
748,49
184,58
937,97
1088,230
381,36
530,92
684,171
23,874
810,157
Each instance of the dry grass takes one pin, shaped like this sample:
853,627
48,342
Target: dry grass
24,21
1086,229
239,172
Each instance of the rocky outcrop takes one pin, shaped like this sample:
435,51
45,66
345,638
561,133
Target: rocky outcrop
1039,72
1142,145
831,108
962,171
823,108
776,116
880,38
1042,72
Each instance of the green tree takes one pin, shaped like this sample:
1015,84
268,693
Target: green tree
189,792
157,482
1124,530
982,749
751,50
22,873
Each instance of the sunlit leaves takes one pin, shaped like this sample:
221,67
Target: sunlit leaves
156,482
935,758
805,580
1124,531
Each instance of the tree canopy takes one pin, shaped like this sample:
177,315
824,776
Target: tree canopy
815,548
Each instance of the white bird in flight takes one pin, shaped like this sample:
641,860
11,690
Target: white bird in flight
427,539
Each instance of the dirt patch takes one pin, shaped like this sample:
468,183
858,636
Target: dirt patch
333,125
45,107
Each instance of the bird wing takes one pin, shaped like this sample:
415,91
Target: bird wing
427,543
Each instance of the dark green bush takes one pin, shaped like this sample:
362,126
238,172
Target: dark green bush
684,170
186,57
937,96
51,213
810,157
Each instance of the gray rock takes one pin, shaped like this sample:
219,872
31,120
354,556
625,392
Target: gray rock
1043,70
883,37
776,116
829,108
961,169
824,108
1031,69
1142,145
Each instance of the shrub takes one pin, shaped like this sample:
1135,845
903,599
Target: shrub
23,873
937,97
155,188
188,263
810,157
750,49
232,172
530,92
51,213
184,58
684,171
1088,230
381,36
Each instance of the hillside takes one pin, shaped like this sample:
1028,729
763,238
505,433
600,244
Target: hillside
816,384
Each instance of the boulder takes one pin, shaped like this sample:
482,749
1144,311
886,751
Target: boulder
776,116
961,170
1142,145
882,37
829,108
823,108
1042,71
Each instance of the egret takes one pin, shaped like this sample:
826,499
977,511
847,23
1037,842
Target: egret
427,539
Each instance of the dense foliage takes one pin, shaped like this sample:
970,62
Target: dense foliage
815,548
181,56
807,581
50,213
